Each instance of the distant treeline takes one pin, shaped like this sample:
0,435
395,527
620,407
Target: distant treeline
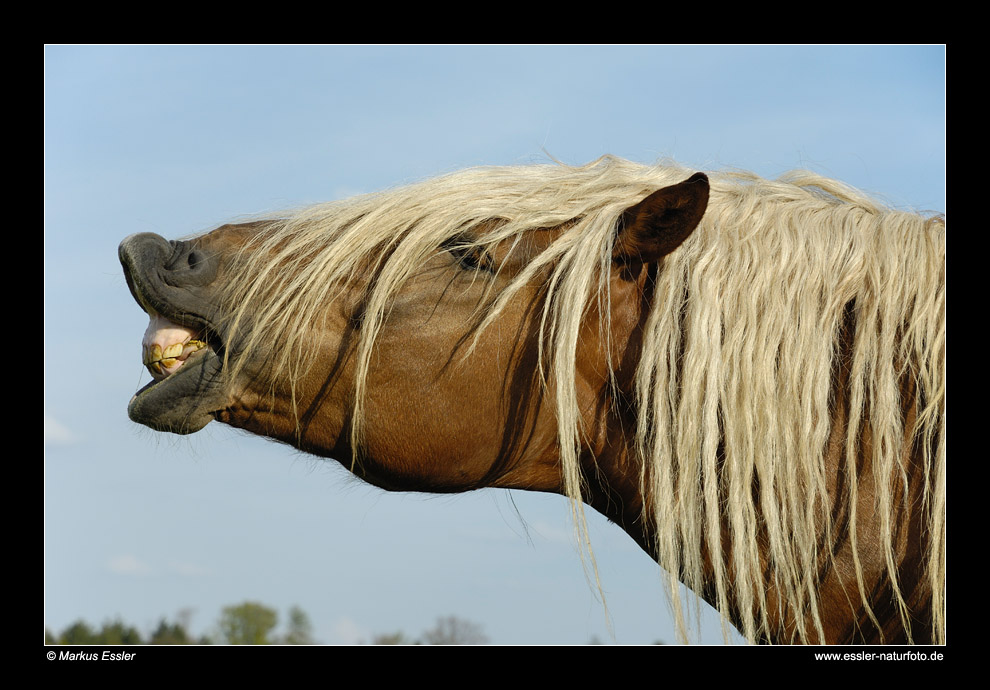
251,623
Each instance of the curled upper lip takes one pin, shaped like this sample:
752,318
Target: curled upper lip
165,278
166,281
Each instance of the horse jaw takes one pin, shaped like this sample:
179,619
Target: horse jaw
186,389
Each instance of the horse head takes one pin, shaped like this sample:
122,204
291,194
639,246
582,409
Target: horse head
454,398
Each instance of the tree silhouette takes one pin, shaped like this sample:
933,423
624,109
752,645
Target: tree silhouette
247,623
300,629
112,632
392,638
78,633
453,630
253,623
170,633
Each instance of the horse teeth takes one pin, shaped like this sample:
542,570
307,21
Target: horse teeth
152,354
191,347
162,362
166,345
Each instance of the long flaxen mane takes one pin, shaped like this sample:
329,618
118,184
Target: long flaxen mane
741,349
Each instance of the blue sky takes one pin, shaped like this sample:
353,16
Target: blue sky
177,139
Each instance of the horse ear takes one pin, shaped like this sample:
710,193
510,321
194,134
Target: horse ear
659,223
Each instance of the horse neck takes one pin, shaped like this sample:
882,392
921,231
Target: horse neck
845,618
855,590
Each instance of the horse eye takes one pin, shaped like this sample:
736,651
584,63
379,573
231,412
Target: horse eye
471,258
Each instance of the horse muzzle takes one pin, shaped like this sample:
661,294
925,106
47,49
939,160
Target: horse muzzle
170,280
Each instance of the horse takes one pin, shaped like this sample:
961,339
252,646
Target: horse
745,375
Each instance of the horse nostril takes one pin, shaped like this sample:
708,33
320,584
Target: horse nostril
190,265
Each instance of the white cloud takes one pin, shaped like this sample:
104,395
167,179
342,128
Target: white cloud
346,631
57,433
129,565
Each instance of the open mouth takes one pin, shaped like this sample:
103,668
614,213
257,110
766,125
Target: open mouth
180,346
167,346
185,388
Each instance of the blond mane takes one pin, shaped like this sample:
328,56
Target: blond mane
737,372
